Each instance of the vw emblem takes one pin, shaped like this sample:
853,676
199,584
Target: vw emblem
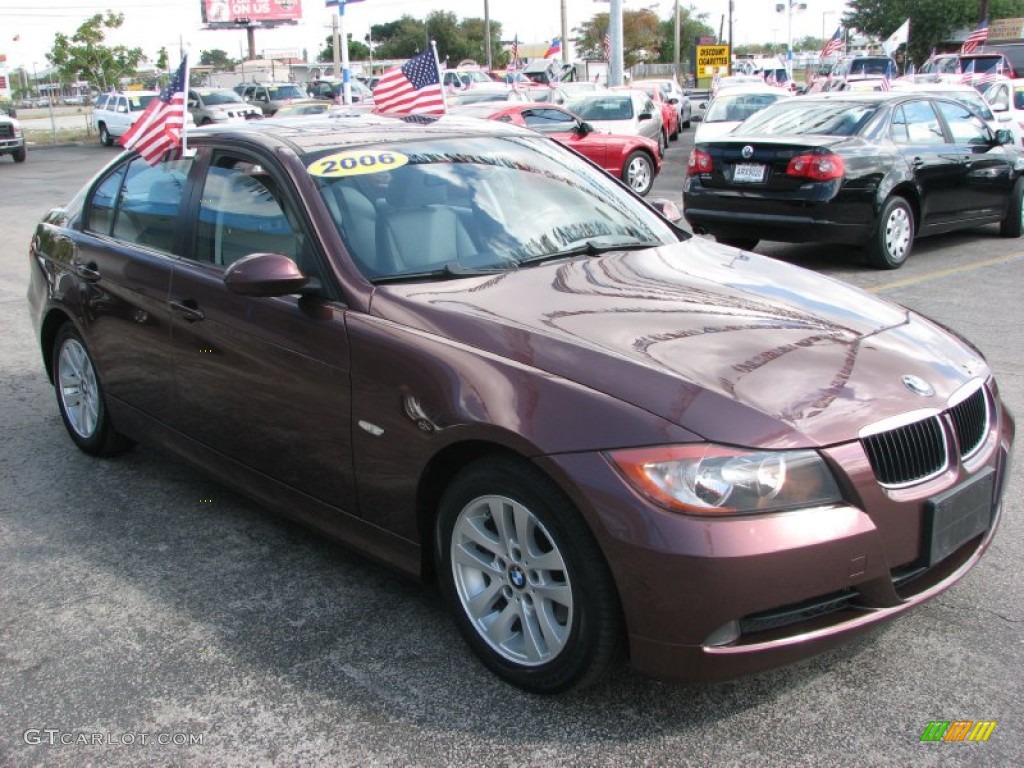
747,152
917,385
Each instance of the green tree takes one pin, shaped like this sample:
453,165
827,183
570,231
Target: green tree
473,34
357,51
691,24
400,39
932,22
84,56
217,59
642,38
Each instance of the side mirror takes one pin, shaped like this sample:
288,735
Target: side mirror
673,100
667,209
264,274
645,116
192,103
584,128
1004,136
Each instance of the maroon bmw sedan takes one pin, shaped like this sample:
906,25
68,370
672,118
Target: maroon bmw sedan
463,350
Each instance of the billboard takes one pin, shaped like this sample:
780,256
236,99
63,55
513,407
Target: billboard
252,11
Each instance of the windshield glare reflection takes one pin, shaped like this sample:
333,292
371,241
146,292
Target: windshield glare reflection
480,205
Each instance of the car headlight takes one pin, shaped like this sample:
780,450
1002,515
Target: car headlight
709,479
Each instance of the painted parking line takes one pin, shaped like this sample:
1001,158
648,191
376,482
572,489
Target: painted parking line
941,273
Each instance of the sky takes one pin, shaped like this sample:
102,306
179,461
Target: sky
151,24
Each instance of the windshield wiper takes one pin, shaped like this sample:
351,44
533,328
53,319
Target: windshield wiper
590,248
450,270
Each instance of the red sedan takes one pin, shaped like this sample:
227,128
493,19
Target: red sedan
634,159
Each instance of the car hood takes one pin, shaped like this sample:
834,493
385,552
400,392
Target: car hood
733,346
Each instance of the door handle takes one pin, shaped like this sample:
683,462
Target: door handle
89,272
187,308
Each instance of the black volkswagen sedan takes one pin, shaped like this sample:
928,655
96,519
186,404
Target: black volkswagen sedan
873,170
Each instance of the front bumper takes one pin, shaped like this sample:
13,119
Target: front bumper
787,585
12,145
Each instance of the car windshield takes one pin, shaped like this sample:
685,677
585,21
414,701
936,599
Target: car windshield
982,64
139,103
435,209
219,97
806,116
280,92
1018,97
604,107
972,99
870,66
736,107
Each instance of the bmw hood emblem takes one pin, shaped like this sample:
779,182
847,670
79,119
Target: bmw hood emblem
917,385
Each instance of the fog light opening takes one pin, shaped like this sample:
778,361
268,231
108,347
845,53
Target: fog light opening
724,635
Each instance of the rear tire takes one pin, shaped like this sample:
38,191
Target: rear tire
892,242
743,243
524,578
80,398
1013,224
638,172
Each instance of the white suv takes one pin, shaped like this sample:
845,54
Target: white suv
115,113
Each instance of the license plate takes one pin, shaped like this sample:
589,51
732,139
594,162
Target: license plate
748,172
959,515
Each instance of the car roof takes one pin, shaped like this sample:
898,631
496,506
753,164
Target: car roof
352,128
741,88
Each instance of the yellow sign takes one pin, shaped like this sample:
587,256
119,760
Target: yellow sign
357,163
1006,29
712,59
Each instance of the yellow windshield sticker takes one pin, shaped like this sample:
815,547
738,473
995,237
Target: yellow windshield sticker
357,163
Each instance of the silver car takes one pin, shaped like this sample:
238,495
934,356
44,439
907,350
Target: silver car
219,105
631,113
673,95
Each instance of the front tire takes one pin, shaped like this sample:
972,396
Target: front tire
105,138
1013,224
892,242
20,155
524,578
638,172
80,397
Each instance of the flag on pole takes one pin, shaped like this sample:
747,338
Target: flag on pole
555,49
607,43
897,38
976,38
411,89
886,83
968,74
833,45
161,126
514,63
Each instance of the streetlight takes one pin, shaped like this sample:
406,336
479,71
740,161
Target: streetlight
789,8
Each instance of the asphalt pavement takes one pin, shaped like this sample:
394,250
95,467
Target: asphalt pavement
150,616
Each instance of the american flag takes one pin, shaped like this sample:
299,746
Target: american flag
968,74
833,45
771,80
976,38
607,42
411,89
161,125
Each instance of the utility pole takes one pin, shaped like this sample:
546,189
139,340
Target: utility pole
615,30
487,33
675,59
565,34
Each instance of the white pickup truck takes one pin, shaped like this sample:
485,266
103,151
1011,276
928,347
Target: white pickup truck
12,138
